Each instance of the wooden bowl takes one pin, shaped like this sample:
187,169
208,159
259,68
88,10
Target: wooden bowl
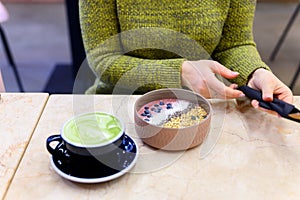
172,139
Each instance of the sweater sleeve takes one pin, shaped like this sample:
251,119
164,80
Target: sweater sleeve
237,49
112,65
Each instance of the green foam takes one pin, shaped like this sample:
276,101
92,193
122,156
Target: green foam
92,129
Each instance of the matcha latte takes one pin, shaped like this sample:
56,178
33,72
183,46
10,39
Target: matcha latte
92,129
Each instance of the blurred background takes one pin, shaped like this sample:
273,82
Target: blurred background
46,45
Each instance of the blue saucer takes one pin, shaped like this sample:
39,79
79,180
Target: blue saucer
121,161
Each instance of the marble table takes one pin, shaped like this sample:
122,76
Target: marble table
247,155
19,114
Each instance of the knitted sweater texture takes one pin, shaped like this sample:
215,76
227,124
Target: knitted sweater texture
140,45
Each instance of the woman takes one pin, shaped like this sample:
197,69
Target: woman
143,45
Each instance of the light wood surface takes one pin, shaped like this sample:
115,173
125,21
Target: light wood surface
19,114
248,155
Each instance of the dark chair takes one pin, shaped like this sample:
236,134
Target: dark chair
285,32
63,77
295,78
282,38
8,53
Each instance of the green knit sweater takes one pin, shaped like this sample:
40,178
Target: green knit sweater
139,45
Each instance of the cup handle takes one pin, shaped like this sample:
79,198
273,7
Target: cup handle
53,138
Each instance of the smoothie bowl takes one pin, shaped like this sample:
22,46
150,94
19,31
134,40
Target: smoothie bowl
172,119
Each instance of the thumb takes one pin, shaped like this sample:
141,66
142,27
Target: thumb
217,68
267,92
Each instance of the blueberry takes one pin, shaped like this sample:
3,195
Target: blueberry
156,105
146,107
169,106
146,119
152,109
143,114
157,111
161,103
146,112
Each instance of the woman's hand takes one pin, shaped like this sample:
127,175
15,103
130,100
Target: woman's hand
199,76
270,86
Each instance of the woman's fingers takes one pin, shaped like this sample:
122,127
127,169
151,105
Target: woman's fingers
229,93
267,92
218,89
255,104
200,76
217,68
270,86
